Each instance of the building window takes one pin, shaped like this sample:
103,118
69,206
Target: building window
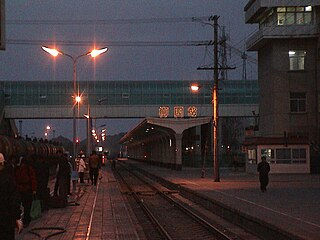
269,153
296,155
299,156
294,15
283,156
252,156
297,102
297,59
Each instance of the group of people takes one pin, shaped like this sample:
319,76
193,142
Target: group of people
94,164
26,178
20,183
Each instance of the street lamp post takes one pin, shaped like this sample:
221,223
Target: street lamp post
93,53
214,100
89,129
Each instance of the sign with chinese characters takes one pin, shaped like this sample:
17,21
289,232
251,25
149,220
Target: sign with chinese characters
163,112
178,112
192,111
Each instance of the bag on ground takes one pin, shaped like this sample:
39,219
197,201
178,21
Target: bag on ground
35,211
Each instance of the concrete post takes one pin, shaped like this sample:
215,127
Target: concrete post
178,162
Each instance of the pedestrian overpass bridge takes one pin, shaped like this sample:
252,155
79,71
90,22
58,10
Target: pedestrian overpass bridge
125,99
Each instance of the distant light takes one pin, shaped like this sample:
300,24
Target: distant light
48,127
78,99
308,8
97,52
292,52
194,87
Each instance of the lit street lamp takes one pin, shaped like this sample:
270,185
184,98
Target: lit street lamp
48,128
215,116
93,53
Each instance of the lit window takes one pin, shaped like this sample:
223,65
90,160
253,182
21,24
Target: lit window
308,9
297,59
297,102
294,15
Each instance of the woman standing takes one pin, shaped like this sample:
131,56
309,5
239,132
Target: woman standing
26,185
81,168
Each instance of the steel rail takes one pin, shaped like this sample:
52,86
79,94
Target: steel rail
183,208
146,210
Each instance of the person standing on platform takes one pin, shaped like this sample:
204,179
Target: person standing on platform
63,175
42,175
9,203
263,169
27,185
81,168
94,165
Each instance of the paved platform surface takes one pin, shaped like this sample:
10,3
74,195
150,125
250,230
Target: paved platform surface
103,213
291,203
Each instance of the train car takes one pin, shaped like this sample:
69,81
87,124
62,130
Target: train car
13,148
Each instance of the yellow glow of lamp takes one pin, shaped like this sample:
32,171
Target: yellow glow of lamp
97,52
78,99
194,88
51,51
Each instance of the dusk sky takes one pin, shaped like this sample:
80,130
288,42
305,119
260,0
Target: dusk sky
120,25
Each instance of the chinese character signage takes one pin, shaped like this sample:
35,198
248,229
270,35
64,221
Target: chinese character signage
192,111
178,112
163,112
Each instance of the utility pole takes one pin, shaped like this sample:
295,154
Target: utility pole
215,102
215,98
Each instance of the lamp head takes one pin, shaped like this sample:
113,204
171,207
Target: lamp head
194,87
97,52
52,51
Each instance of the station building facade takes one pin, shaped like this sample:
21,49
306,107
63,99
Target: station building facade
288,47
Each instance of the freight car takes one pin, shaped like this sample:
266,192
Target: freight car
12,148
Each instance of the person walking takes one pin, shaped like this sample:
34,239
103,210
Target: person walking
263,169
9,203
94,165
81,168
27,185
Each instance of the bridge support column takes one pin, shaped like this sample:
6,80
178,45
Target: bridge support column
178,162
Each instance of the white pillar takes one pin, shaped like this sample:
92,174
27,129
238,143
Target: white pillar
178,162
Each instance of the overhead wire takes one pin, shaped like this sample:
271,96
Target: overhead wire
106,21
109,43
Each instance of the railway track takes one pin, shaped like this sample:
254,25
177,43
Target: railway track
168,213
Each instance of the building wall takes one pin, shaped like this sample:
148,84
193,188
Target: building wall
277,81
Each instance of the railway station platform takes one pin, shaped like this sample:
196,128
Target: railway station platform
290,205
100,212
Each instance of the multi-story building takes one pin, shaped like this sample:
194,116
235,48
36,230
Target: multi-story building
288,46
